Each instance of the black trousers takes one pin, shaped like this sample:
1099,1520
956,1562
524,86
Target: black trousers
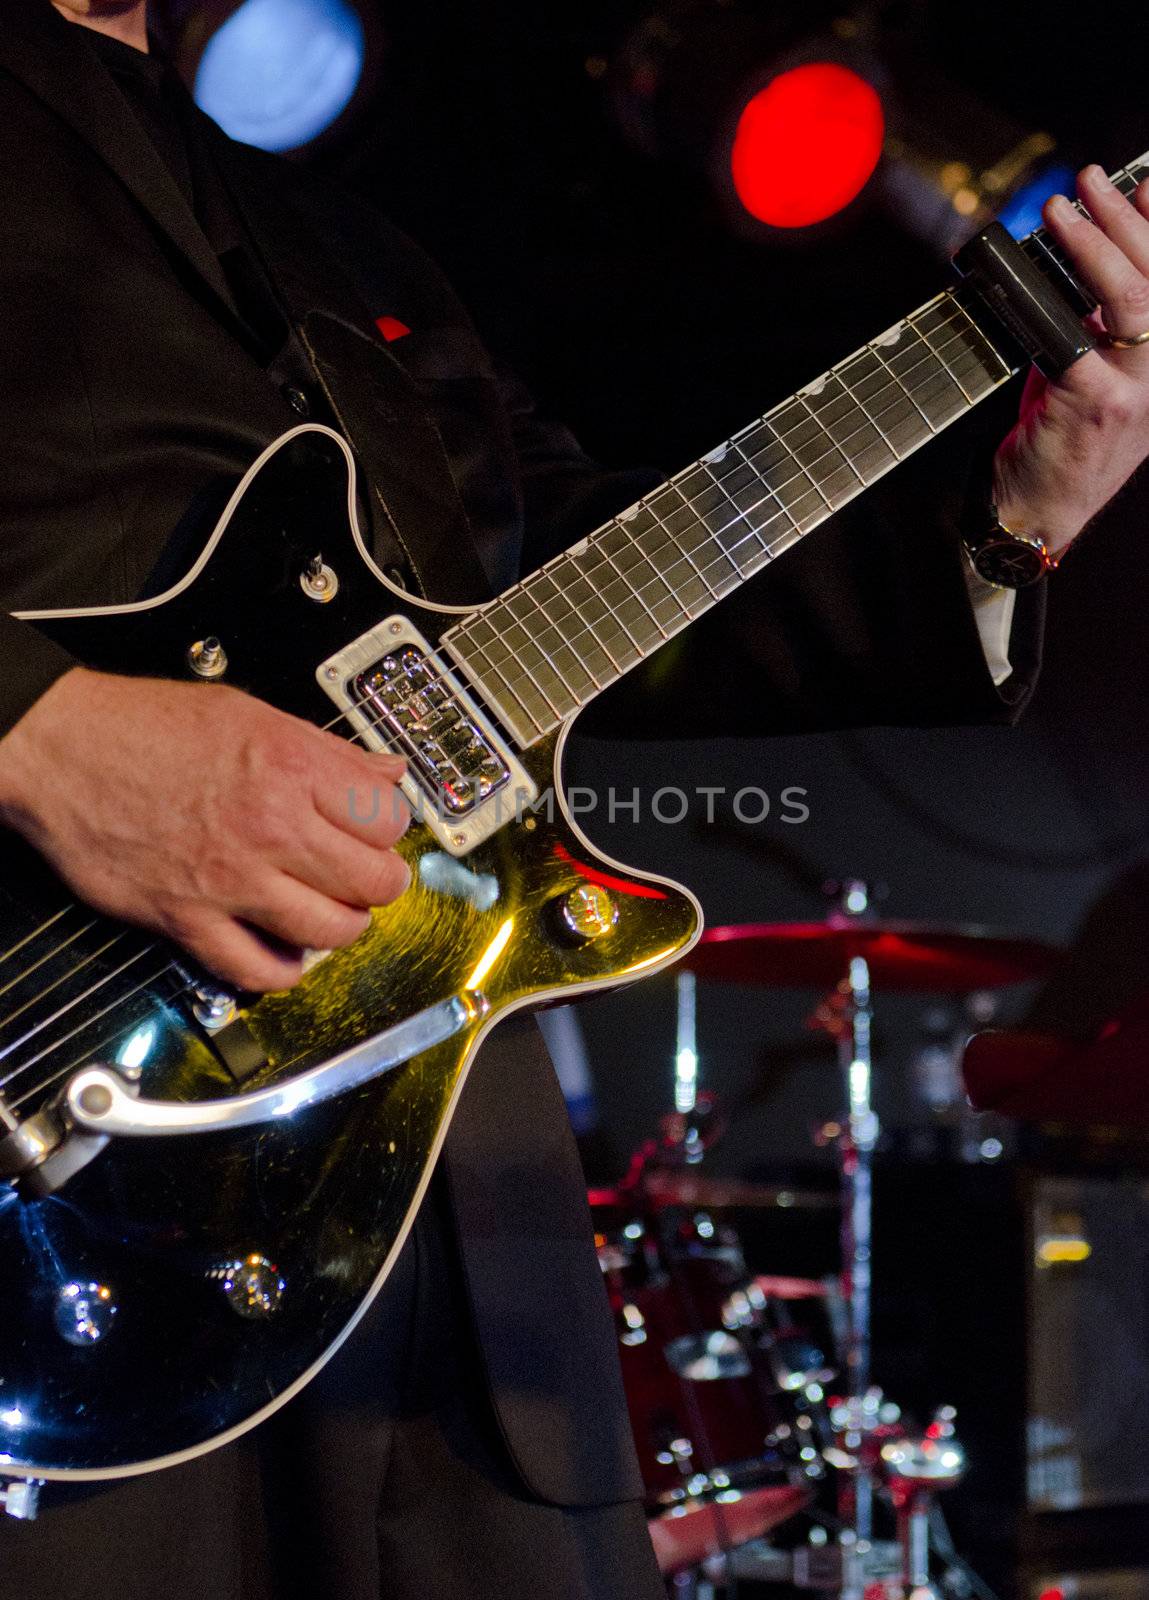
386,1479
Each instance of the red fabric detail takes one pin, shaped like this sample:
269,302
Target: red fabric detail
391,328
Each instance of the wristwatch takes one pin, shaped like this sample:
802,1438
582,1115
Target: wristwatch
1005,559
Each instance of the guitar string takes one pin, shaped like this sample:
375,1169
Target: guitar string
116,1005
836,448
64,977
63,1011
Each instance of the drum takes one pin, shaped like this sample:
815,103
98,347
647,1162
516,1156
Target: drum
712,1401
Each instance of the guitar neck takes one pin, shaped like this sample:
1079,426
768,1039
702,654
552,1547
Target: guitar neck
554,641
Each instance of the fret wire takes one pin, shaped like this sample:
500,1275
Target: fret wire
555,622
610,613
518,679
529,715
802,472
709,462
870,417
563,644
522,670
979,346
639,648
623,521
1007,370
818,423
514,654
773,490
901,385
633,592
592,550
783,510
925,339
685,553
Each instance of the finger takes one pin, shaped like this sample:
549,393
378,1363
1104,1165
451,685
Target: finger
1122,291
357,793
1120,220
301,916
236,955
346,868
376,813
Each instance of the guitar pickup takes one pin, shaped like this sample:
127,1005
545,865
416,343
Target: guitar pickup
463,780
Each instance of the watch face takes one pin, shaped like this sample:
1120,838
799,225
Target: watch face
1010,563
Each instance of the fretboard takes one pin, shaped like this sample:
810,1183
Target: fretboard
551,643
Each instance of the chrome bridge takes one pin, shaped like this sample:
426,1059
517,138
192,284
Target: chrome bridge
462,778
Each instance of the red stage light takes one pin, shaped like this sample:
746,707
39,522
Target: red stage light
807,144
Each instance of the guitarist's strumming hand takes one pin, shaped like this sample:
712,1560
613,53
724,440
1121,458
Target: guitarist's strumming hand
204,814
1080,439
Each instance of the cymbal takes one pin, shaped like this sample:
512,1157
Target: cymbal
690,1533
710,1194
900,955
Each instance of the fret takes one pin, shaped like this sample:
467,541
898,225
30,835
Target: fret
593,613
709,523
900,422
633,622
752,506
815,452
970,357
679,526
529,714
940,389
620,594
988,359
516,653
618,544
790,487
851,427
571,670
555,604
664,555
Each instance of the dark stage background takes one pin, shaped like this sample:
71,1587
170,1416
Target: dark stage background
617,285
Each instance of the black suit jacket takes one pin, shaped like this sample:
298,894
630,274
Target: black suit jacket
132,396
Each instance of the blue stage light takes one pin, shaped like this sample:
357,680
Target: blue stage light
1023,213
278,73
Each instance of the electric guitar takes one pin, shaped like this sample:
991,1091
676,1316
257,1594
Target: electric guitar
201,1192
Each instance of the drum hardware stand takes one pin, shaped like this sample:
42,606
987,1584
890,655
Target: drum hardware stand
848,1016
20,1497
917,1469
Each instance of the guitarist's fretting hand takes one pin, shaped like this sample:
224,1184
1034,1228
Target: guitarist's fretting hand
203,814
1080,439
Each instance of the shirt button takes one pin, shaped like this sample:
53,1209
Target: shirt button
297,400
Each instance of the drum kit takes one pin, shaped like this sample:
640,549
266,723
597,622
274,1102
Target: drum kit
766,1450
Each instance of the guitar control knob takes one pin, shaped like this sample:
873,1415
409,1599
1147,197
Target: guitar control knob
252,1287
84,1313
587,913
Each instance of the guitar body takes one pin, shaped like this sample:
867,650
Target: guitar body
176,1290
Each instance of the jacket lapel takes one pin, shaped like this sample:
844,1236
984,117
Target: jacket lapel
49,57
375,401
